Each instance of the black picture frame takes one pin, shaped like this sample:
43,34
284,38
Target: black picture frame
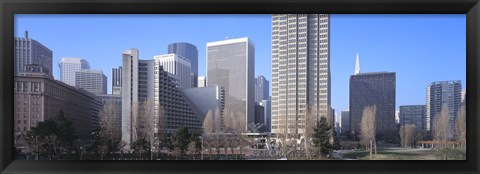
8,8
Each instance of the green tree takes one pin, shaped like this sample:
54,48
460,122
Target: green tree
65,132
42,139
321,138
180,140
141,146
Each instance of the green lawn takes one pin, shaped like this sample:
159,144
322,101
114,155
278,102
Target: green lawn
393,154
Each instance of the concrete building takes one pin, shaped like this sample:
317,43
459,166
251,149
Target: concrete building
345,122
178,111
464,93
202,81
29,51
207,99
267,105
94,81
300,70
178,67
68,68
413,114
262,89
230,64
190,52
373,89
38,97
441,94
117,81
137,87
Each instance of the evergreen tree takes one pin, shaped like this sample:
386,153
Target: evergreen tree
180,140
321,138
42,139
141,146
66,133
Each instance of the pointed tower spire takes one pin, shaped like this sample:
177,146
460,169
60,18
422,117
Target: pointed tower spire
357,66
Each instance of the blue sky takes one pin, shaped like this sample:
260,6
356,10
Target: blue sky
419,48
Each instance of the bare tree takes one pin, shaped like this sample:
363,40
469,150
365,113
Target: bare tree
461,127
208,128
109,135
161,128
240,126
307,134
192,149
441,126
134,121
368,126
218,130
407,135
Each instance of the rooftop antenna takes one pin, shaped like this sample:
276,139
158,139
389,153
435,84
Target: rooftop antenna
26,34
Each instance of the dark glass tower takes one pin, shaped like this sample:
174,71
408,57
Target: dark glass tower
190,52
367,89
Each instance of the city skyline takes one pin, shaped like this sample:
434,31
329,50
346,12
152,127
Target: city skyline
445,43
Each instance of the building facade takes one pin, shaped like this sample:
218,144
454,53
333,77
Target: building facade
443,94
29,51
190,52
178,112
94,81
38,97
230,64
262,89
345,122
373,89
117,81
178,66
300,70
69,67
207,99
260,117
413,114
202,81
267,105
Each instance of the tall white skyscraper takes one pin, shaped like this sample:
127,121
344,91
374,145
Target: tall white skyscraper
179,68
230,63
68,67
29,51
300,70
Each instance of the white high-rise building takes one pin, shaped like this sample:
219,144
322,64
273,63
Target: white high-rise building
230,64
68,68
202,81
179,68
137,87
300,70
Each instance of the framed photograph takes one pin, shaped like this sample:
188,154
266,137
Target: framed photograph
355,86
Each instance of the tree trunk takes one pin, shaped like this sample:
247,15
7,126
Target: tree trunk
375,142
371,144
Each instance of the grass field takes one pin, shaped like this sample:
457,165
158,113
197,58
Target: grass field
392,154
